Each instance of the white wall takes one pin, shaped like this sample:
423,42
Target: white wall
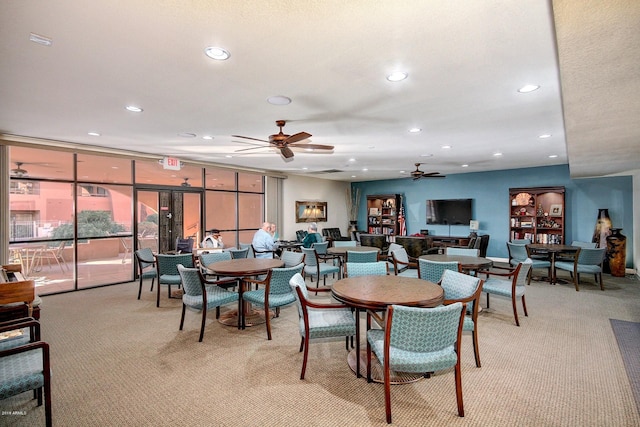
302,188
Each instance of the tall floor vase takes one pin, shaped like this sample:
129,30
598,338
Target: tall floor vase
617,252
600,234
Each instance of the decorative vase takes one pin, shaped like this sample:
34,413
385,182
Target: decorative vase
603,228
617,252
353,226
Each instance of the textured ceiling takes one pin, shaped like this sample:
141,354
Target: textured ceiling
465,62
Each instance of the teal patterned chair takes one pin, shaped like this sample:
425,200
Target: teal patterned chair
433,270
313,266
25,366
461,251
320,320
167,270
355,269
275,294
239,253
418,340
519,253
512,285
321,249
586,260
208,258
291,258
466,289
402,264
344,243
361,256
203,296
146,267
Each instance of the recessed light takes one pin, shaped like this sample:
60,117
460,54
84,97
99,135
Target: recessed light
352,160
305,168
134,109
415,130
353,176
279,100
543,136
553,156
228,156
426,155
498,154
37,38
446,147
465,165
403,171
364,169
115,167
187,135
207,137
217,53
528,88
397,76
93,133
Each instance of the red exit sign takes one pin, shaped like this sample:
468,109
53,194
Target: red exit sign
171,163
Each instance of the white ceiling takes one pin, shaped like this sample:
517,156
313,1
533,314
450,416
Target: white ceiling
465,60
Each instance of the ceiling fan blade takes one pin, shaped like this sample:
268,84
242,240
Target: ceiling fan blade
430,173
297,137
248,137
313,146
286,152
251,148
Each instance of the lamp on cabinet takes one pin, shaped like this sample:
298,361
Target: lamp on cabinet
474,226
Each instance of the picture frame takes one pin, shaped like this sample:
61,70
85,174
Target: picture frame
373,211
555,210
311,211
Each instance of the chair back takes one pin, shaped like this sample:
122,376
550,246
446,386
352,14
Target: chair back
291,258
300,235
521,241
589,256
192,282
400,255
184,246
278,279
344,243
588,245
310,257
393,247
239,253
484,244
168,264
462,251
433,270
145,258
517,251
365,256
297,282
210,257
520,278
320,247
249,248
423,330
461,287
355,269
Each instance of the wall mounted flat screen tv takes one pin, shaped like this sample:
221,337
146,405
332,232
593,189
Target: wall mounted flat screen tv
449,212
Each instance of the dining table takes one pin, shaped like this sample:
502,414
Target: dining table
375,293
551,250
468,264
244,268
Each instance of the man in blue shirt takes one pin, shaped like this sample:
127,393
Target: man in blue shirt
263,242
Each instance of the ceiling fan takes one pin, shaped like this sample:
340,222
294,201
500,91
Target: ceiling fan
417,174
18,171
185,183
285,142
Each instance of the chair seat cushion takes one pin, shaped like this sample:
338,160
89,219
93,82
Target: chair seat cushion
15,338
535,263
329,323
21,372
216,297
410,272
568,266
324,269
410,361
170,279
149,274
501,287
275,300
468,324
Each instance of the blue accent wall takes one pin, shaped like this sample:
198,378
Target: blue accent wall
491,204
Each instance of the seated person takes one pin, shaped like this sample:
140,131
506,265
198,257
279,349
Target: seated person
263,242
213,240
312,236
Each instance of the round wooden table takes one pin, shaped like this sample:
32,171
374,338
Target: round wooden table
376,293
342,250
244,267
551,250
467,263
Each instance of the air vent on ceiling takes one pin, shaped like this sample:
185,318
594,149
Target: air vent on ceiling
328,171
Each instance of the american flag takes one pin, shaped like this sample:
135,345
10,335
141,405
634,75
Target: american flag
403,225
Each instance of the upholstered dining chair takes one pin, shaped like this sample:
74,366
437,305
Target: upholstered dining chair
419,340
344,243
402,264
361,256
167,271
249,247
313,266
208,258
466,289
355,269
26,366
203,296
320,320
184,246
432,270
146,267
519,252
275,294
512,284
586,260
392,247
291,258
461,251
321,248
239,253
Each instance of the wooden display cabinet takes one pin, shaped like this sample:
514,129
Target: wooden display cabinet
537,214
382,214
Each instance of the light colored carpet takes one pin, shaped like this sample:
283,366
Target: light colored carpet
628,338
118,361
